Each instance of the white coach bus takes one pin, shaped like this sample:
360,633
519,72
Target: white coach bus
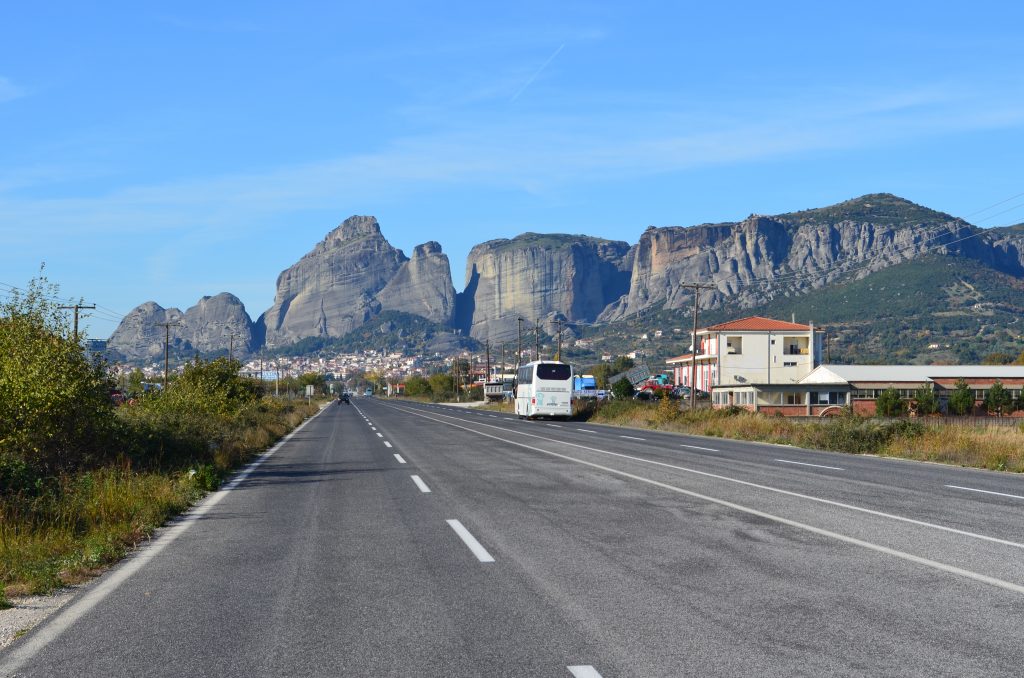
544,389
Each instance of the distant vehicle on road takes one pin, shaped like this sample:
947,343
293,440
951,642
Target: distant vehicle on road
368,392
344,398
544,388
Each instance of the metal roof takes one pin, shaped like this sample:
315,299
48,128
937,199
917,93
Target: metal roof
831,374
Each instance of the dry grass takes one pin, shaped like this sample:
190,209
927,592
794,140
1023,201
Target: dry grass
78,524
996,447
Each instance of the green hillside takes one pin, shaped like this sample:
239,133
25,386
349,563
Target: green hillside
964,310
876,208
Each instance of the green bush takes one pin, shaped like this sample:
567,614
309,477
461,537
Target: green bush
961,400
889,404
55,408
926,401
622,389
998,400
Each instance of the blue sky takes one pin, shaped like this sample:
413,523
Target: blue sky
164,151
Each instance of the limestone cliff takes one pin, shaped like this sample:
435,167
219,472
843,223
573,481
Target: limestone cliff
537,277
140,335
422,285
218,323
753,261
207,327
332,289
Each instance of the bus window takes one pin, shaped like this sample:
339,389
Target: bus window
553,371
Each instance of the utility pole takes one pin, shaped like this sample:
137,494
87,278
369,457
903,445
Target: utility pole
487,348
696,287
503,362
558,354
231,345
167,343
536,334
519,353
455,376
76,308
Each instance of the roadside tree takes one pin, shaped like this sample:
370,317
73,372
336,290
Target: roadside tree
889,404
998,400
926,401
961,400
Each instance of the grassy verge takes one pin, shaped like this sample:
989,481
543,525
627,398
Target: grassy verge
996,448
68,528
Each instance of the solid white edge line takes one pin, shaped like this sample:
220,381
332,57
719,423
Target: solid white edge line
910,557
698,447
584,671
399,458
19,653
420,484
469,540
801,463
972,489
747,483
387,444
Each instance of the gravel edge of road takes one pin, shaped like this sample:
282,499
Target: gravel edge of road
28,611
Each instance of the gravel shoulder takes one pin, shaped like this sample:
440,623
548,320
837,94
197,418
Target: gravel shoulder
28,611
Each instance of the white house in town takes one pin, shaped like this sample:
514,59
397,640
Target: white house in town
734,355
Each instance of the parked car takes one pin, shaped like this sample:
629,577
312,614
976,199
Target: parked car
645,395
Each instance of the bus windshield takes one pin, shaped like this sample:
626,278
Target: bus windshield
553,372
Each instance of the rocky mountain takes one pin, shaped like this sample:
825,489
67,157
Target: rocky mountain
215,324
218,323
355,275
140,335
332,290
422,286
539,277
753,261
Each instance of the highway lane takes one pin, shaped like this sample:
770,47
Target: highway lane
393,539
909,521
978,501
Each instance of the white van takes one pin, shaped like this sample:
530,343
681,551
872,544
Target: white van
544,389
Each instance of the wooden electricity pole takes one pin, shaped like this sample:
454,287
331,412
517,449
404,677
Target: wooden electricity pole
167,344
519,353
487,348
536,334
558,353
696,287
76,308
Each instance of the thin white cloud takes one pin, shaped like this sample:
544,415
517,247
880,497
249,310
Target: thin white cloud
9,91
537,73
532,154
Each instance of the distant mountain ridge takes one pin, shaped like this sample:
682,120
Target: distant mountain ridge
354,274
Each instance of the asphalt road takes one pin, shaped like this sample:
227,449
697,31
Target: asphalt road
389,538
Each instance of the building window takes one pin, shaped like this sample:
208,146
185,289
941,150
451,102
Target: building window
794,398
734,345
828,398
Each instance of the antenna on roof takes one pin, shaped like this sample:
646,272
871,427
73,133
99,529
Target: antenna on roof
793,318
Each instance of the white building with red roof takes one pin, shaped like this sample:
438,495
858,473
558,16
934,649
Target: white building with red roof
733,356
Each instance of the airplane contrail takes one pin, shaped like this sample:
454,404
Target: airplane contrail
539,71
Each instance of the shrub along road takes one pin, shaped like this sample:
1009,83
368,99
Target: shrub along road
398,539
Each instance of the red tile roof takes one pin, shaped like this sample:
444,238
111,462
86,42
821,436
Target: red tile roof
758,324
